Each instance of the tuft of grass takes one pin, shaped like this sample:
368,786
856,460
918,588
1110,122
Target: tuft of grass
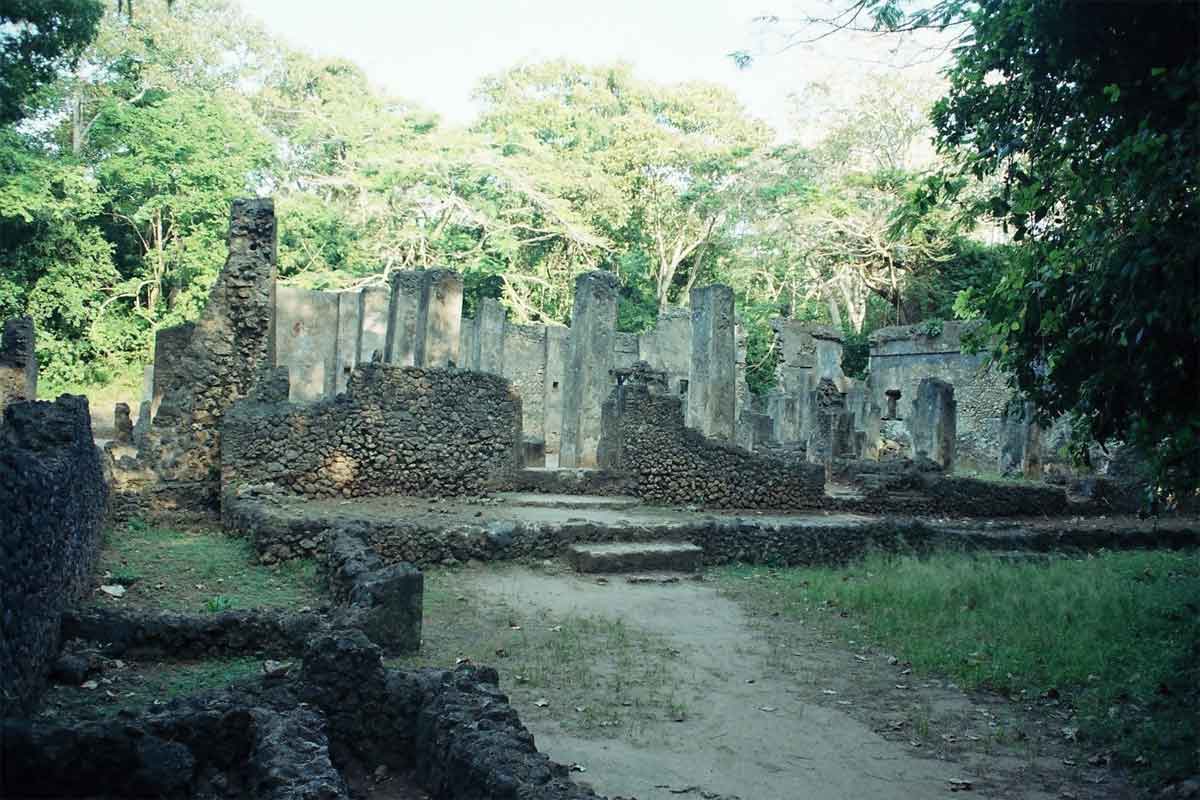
594,674
1116,635
200,569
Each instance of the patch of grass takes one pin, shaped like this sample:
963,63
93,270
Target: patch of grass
135,685
593,674
200,569
1117,635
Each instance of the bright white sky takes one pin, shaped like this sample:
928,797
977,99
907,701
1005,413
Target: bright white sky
435,51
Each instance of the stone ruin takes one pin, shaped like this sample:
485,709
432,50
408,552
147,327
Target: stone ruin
18,362
281,406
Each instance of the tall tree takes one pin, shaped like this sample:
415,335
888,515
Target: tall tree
1092,119
40,38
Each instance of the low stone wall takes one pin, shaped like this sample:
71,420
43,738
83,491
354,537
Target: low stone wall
396,430
52,505
304,734
133,634
644,436
385,601
906,487
596,482
802,539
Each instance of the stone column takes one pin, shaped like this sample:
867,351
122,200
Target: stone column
557,350
439,318
18,362
827,429
122,424
933,425
489,337
306,334
373,314
349,321
586,373
1021,442
404,311
712,378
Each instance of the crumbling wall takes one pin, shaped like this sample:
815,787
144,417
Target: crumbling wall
308,731
672,464
229,347
18,362
396,430
902,356
52,505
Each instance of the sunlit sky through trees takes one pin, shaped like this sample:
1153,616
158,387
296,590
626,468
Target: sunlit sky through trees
435,52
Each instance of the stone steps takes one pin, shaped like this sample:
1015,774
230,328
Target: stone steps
635,557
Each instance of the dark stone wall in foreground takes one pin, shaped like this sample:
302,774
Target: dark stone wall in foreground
52,505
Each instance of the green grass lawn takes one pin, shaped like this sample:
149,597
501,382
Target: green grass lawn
200,570
1116,635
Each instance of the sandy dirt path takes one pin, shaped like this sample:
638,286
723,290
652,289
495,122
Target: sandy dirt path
750,731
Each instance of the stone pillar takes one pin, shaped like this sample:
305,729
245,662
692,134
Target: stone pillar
586,373
744,434
404,312
439,318
556,358
349,322
306,337
893,403
489,337
1021,443
373,314
712,379
18,362
827,412
933,425
122,424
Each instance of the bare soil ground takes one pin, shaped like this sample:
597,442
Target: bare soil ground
756,706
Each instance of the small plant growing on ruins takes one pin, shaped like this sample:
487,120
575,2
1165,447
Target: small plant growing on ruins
931,328
218,603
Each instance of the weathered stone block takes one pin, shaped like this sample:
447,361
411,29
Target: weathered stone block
587,375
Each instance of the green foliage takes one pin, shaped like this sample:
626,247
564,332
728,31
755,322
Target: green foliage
1091,120
1115,635
40,38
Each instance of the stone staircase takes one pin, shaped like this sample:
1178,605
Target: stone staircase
635,557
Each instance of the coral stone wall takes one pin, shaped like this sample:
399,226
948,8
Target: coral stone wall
225,353
645,436
52,504
396,430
